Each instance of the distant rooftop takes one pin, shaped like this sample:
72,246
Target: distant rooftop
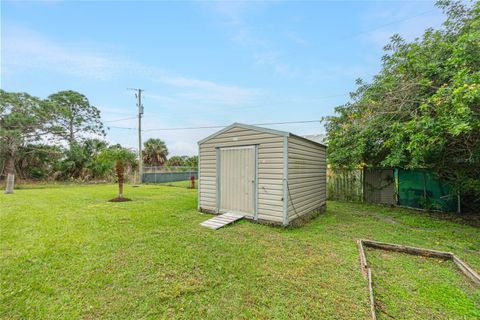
320,138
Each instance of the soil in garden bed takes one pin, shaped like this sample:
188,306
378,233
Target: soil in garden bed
119,200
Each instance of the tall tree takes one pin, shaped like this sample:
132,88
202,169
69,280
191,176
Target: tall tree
121,159
423,109
154,152
23,119
76,116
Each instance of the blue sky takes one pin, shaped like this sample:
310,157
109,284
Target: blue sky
202,63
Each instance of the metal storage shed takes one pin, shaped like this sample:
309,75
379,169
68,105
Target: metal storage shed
267,175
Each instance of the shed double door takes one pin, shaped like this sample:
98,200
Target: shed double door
237,180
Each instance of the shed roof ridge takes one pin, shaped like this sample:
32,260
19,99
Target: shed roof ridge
245,126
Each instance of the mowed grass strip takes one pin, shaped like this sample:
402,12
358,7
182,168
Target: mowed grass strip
68,253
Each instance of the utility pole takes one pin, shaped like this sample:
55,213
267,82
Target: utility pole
138,95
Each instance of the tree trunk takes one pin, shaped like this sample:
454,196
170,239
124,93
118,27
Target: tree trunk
10,183
119,169
10,171
71,136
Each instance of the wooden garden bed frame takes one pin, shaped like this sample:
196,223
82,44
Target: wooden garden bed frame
367,271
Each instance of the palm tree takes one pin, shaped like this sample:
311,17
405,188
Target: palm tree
121,159
154,152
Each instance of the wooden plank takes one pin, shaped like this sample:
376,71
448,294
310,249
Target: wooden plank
467,270
211,224
407,249
221,220
224,218
363,259
208,226
370,290
211,227
217,221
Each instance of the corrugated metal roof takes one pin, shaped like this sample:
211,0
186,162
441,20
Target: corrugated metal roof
318,138
245,126
314,138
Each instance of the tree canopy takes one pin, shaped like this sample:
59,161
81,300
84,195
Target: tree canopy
23,119
155,152
75,117
177,161
80,161
422,110
29,126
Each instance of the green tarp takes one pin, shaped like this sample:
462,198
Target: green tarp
422,189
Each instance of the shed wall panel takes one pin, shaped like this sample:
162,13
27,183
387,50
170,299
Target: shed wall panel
307,170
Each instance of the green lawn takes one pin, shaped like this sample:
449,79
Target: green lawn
66,252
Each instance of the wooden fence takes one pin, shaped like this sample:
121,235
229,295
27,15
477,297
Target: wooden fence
344,184
368,185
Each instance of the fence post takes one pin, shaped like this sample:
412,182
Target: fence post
397,184
459,210
362,179
424,190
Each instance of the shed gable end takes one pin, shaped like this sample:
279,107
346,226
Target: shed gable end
243,127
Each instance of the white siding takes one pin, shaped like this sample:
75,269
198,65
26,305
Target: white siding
270,169
307,169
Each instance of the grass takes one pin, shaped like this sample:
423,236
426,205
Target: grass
65,252
438,288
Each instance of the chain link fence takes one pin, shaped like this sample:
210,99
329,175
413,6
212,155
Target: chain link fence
164,174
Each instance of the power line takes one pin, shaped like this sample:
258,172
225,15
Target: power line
222,126
286,122
185,128
118,120
114,127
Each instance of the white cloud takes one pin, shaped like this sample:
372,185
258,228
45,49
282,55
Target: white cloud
196,90
25,49
188,99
